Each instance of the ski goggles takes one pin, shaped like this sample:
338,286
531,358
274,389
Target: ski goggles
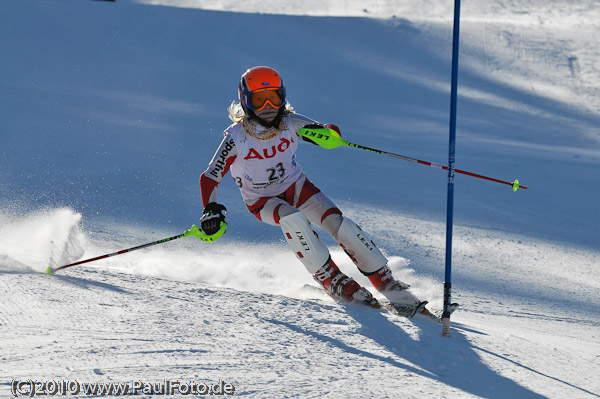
258,100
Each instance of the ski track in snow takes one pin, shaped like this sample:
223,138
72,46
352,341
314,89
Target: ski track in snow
101,324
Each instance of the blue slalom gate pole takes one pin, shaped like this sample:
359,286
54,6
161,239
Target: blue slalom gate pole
451,162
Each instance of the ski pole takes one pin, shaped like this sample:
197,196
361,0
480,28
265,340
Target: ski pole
193,231
329,139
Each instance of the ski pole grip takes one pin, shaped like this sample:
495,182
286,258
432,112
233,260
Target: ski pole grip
194,231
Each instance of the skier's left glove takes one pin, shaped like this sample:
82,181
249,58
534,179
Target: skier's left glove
319,126
311,126
211,219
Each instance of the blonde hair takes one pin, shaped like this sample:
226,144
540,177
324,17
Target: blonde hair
237,114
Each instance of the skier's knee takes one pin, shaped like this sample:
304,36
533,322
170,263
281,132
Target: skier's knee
331,224
283,210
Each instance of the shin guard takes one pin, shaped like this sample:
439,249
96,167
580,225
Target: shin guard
359,246
302,239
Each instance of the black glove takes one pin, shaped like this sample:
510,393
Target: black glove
211,219
312,126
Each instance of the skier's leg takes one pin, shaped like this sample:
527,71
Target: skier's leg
311,251
342,287
360,247
357,244
320,210
372,263
306,245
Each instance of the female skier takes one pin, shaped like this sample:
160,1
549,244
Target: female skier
259,149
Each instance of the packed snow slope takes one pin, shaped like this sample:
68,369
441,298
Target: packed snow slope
110,112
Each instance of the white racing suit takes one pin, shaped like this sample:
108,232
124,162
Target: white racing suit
262,161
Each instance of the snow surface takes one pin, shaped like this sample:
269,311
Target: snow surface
110,111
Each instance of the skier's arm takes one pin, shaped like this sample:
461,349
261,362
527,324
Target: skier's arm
217,169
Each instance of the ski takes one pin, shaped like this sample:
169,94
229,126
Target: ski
435,315
407,310
400,309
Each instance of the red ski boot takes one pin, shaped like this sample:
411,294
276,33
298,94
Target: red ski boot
341,287
394,290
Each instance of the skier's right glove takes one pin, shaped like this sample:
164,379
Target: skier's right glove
211,219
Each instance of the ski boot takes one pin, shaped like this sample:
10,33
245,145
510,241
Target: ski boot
395,291
343,288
